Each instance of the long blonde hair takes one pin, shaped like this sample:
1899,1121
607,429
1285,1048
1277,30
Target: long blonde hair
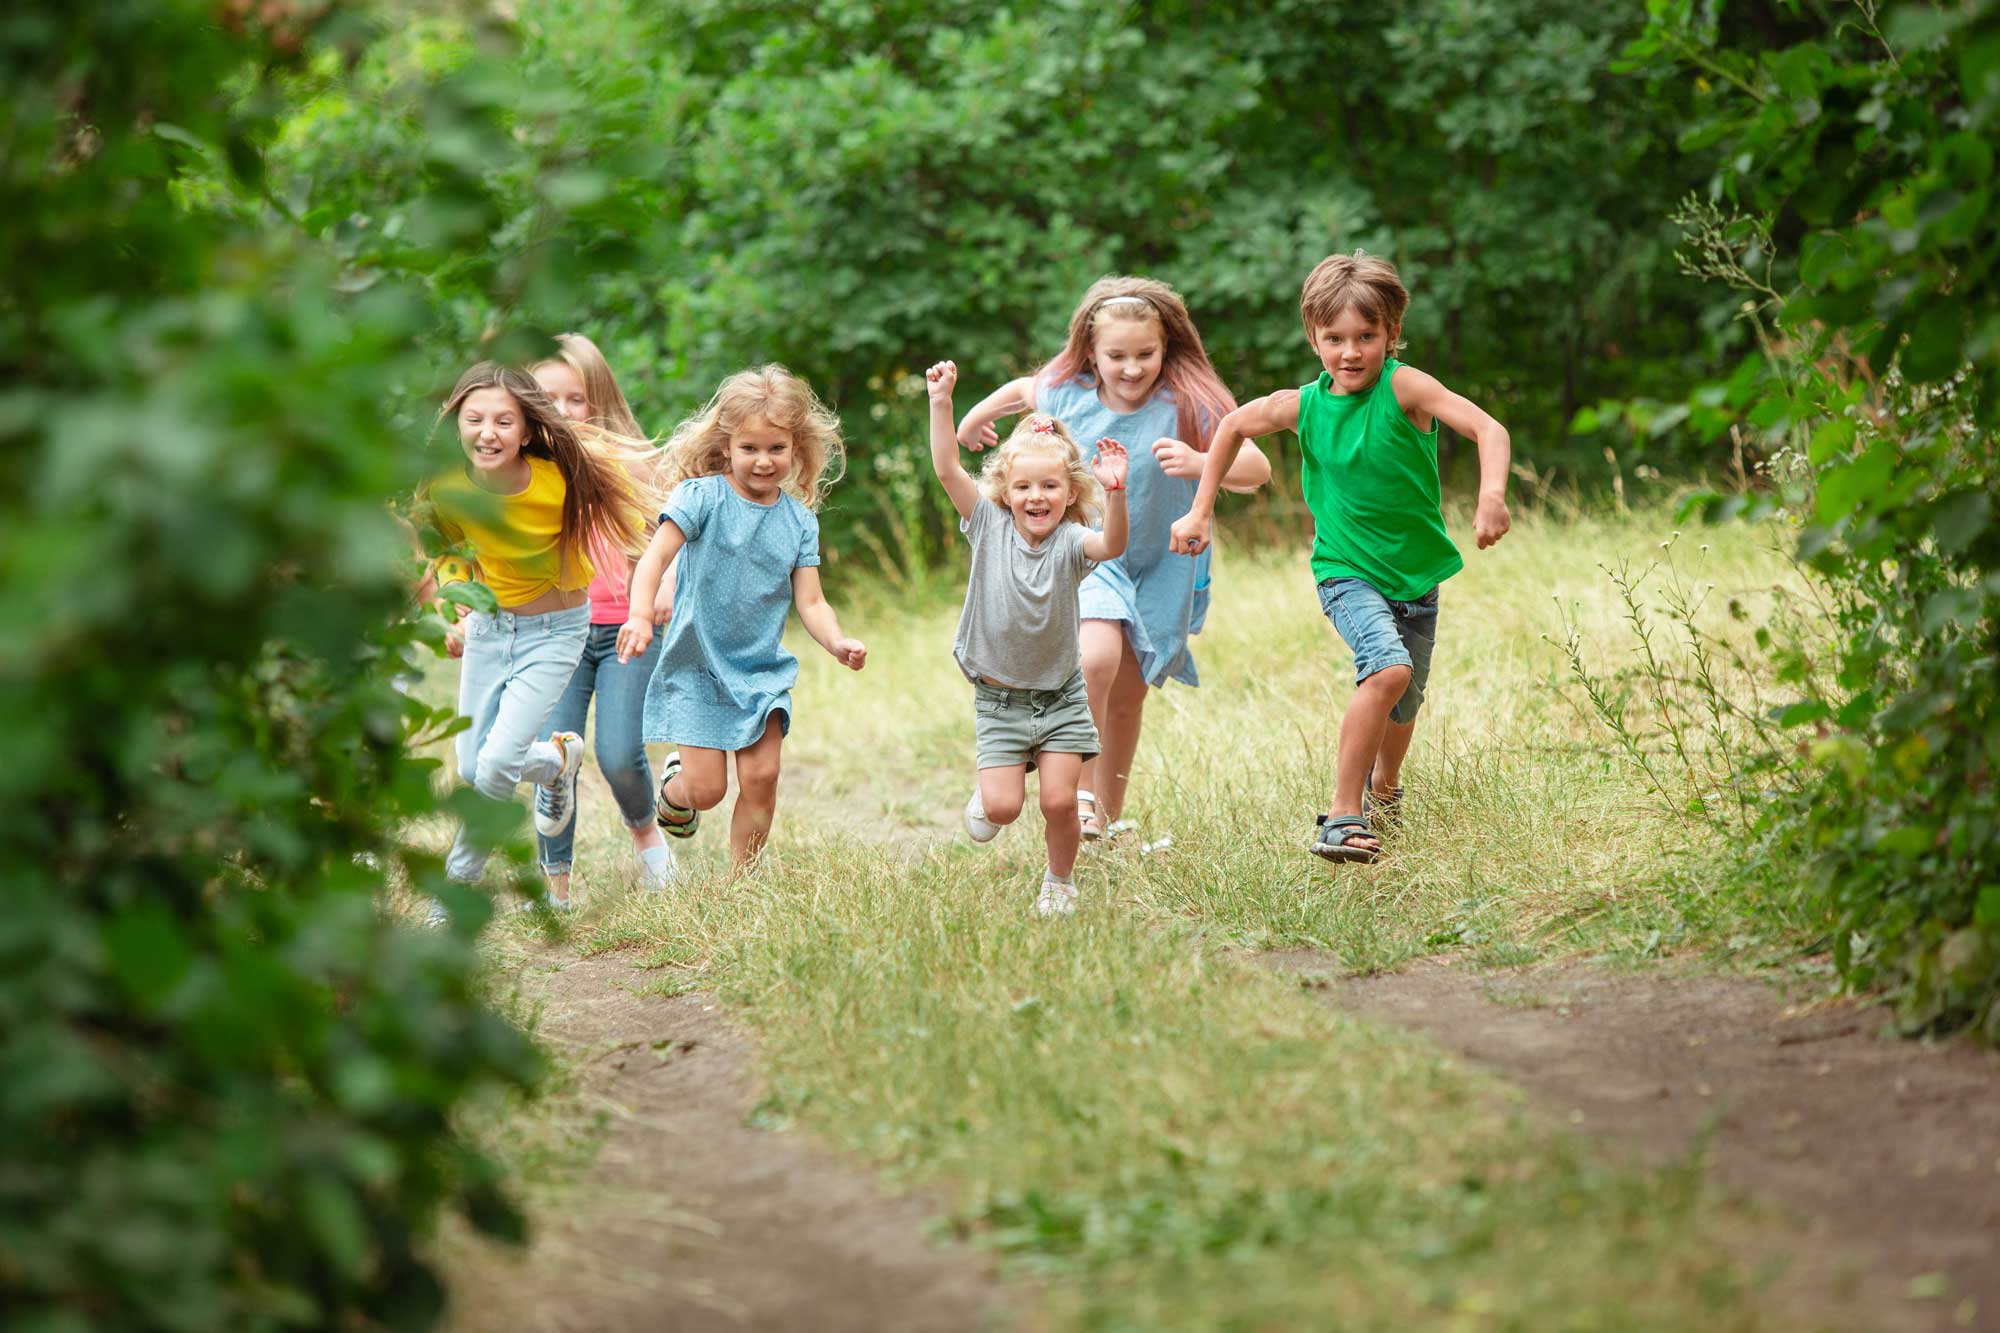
1040,433
601,498
611,414
699,446
1201,398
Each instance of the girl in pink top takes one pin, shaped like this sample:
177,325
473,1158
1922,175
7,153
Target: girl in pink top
580,383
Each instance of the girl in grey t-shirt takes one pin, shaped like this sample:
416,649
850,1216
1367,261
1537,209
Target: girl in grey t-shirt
1026,518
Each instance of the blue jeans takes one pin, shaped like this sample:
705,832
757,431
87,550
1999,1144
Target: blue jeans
514,670
1384,634
621,747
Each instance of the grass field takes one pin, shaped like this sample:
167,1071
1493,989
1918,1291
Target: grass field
1124,1102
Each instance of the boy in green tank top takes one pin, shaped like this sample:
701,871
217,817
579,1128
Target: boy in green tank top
1368,431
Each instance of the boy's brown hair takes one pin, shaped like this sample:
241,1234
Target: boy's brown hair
1365,282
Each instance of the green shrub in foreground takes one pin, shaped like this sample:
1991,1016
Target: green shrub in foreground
227,1082
1866,151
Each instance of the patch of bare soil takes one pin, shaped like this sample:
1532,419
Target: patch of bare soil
690,1219
1880,1157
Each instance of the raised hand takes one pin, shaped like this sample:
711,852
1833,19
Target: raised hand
940,379
1179,459
1110,465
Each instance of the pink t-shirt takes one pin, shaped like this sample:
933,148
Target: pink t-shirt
610,597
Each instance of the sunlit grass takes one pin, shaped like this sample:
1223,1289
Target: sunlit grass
1121,1098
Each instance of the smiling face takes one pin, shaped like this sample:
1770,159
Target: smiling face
565,389
1352,349
760,458
492,429
1126,355
1038,494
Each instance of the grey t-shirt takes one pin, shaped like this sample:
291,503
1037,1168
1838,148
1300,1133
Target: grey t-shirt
1019,623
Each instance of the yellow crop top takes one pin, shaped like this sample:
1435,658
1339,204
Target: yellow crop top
516,537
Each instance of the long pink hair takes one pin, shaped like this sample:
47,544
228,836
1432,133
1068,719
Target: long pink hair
1199,393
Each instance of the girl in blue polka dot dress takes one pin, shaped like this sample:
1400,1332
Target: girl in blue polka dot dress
742,480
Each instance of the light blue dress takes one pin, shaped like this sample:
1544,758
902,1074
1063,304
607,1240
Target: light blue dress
724,669
1161,598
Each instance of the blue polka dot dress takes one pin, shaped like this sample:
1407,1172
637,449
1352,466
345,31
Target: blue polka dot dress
1160,598
724,669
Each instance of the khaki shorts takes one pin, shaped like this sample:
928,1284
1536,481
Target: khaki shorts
1013,726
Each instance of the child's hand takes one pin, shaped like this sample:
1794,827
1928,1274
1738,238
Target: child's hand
1178,459
985,439
454,641
633,637
1109,465
1490,521
940,380
1189,535
850,653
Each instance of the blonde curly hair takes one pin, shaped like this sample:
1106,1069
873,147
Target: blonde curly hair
1040,433
699,446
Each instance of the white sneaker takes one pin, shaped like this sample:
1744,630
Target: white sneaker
977,824
1056,899
555,803
656,868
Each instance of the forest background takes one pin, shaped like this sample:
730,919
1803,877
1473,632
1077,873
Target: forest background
1740,254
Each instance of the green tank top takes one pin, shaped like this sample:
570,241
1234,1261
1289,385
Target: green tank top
1371,482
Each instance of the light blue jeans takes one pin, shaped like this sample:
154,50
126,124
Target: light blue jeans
514,670
621,747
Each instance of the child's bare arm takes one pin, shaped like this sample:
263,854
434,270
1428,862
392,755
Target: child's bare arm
637,632
1109,468
1260,416
816,614
1419,393
1010,399
964,492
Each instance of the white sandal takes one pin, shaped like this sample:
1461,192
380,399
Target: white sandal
1092,829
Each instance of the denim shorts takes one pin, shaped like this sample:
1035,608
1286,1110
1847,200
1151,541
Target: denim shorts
1013,726
1384,634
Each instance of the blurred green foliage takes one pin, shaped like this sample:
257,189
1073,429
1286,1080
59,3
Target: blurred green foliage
858,190
227,1079
1854,218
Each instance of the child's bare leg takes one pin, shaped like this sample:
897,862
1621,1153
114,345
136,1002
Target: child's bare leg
1361,733
1119,735
1003,790
1396,738
1058,775
756,795
702,781
1107,664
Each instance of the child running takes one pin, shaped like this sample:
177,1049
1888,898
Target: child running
1133,368
579,382
742,479
1017,637
533,493
1368,431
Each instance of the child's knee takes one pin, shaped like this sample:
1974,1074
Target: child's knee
1390,682
497,774
704,791
1004,807
1058,801
757,782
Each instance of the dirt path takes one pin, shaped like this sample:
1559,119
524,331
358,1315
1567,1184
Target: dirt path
1881,1156
688,1218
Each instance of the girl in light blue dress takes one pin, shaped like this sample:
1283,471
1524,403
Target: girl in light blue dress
742,480
1133,369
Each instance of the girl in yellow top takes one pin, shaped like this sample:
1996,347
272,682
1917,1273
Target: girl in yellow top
533,492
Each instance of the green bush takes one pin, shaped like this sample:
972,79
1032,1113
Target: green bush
227,1080
1856,220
